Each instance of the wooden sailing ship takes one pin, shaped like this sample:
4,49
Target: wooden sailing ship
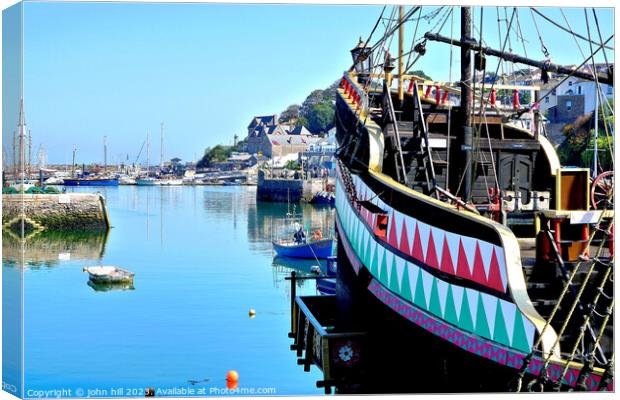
460,218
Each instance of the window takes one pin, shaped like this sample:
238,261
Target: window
578,89
569,105
570,83
546,99
569,92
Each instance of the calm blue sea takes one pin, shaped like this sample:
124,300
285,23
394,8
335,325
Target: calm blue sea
202,258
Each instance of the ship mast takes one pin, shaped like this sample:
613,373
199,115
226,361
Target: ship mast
148,152
401,38
21,165
161,146
467,100
105,155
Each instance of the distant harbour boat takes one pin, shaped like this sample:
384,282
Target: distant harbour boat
320,249
91,182
109,274
148,181
171,182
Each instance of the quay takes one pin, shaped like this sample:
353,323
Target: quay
284,190
67,211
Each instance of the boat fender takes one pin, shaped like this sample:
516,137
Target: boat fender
85,269
315,269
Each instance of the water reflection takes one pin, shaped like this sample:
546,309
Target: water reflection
47,249
107,287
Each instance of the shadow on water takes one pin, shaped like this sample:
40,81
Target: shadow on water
109,287
47,249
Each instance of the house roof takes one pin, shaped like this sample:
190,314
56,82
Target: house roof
299,130
286,139
264,120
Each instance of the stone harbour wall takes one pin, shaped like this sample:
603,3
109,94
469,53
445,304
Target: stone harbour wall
67,211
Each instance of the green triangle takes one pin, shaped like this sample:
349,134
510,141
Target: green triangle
394,278
482,326
450,313
360,245
433,305
374,268
419,299
383,277
367,255
354,233
465,321
405,289
500,335
519,338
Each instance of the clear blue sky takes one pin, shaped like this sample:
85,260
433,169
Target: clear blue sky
204,69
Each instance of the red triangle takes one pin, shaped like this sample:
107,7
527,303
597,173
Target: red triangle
479,275
417,251
462,266
431,254
393,240
446,258
495,278
404,239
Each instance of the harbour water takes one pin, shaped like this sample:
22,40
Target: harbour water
202,259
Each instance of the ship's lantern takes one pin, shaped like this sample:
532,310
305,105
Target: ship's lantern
362,58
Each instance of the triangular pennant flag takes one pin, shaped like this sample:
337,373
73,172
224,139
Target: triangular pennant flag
495,278
406,284
450,310
433,304
490,304
478,274
394,278
465,320
462,266
404,238
431,254
482,326
446,260
374,265
469,246
383,276
417,251
519,337
392,239
419,296
442,288
500,335
508,312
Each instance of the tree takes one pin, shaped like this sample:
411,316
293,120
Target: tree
320,116
420,73
291,114
218,153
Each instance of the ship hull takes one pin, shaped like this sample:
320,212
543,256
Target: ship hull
444,274
90,182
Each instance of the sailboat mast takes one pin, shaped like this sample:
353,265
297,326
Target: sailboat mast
29,153
73,162
148,152
401,39
467,100
105,154
161,147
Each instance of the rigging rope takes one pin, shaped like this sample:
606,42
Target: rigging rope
562,27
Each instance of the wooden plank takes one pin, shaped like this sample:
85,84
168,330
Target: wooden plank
436,118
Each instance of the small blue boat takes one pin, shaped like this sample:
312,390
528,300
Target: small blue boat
326,286
90,182
320,249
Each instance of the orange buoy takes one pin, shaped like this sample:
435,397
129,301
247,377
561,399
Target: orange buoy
232,376
232,385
